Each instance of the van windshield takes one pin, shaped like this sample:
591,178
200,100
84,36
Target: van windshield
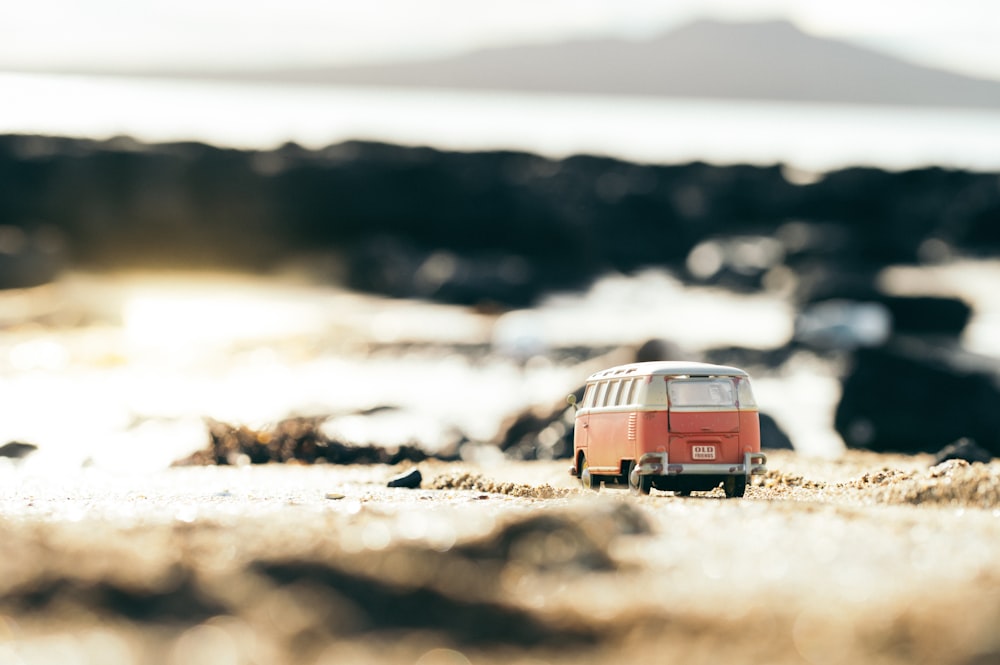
702,392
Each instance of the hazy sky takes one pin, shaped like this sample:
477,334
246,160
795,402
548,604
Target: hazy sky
957,34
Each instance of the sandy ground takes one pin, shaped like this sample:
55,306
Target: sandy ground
869,559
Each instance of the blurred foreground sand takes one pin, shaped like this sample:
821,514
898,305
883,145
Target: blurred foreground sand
870,559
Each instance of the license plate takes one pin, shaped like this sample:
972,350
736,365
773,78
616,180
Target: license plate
703,452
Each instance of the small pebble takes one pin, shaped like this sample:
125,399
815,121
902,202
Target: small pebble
17,449
411,479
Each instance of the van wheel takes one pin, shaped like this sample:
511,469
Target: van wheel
638,484
735,486
587,479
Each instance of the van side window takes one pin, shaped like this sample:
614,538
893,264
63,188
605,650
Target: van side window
602,393
628,394
745,394
613,393
656,392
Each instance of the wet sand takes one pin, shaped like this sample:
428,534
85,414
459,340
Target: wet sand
876,559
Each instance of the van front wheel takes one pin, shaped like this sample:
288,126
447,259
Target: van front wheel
586,478
735,486
638,484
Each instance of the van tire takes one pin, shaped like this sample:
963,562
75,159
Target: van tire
735,486
588,480
644,485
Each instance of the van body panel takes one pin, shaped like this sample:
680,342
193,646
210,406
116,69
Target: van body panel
652,435
750,431
609,428
701,449
695,422
581,431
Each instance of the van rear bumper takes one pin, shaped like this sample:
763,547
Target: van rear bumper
658,464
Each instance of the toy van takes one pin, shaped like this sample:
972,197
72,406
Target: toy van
676,426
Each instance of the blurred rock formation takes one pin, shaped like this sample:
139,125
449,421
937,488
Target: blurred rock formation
474,228
910,396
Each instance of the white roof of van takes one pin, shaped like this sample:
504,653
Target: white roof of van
667,368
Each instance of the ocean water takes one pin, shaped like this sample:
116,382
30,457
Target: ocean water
129,386
808,137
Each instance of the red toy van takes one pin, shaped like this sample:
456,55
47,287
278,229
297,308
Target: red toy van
676,426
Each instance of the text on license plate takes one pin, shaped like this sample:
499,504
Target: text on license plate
702,452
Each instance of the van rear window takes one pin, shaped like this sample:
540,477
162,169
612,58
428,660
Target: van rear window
702,392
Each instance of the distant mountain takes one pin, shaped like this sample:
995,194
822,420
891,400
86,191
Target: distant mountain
706,59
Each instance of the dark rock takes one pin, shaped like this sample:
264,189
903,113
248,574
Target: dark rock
889,216
410,479
298,440
963,449
772,437
926,315
834,278
540,432
17,449
912,397
657,349
748,358
29,256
